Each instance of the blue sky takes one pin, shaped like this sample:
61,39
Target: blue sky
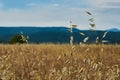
58,12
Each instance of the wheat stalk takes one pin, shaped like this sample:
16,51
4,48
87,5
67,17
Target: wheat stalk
71,36
91,20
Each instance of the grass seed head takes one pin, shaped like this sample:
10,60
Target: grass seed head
104,35
86,39
82,34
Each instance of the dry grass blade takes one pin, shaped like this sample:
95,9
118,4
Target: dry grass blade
59,58
80,43
87,49
82,34
92,25
104,41
97,40
71,30
91,19
88,13
71,40
74,25
102,50
104,35
24,38
86,39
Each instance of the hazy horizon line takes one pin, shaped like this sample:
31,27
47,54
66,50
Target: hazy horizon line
8,26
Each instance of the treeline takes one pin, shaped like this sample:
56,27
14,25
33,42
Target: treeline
62,36
18,38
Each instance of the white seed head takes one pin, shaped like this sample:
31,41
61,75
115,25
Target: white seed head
85,39
82,34
104,35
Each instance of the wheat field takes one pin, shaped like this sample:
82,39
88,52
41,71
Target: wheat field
55,62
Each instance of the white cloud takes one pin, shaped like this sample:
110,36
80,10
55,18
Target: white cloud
59,15
103,3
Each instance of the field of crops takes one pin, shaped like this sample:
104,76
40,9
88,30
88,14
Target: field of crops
59,62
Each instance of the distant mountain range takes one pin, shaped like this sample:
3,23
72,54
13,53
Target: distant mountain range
59,34
114,29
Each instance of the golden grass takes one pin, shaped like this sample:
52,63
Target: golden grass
54,62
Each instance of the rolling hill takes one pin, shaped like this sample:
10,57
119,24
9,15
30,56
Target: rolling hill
58,34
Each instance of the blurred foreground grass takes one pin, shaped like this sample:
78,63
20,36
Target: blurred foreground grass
54,62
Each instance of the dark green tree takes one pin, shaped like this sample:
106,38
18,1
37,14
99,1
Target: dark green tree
17,39
0,41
